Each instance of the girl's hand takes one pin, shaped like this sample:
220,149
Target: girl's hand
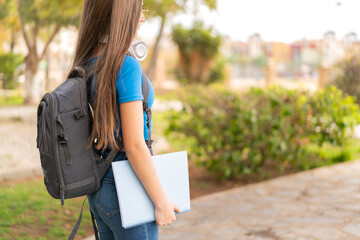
164,213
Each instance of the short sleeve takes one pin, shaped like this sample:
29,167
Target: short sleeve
129,81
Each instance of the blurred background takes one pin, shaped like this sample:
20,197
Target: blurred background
248,43
251,89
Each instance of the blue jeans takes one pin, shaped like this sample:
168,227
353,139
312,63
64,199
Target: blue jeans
105,207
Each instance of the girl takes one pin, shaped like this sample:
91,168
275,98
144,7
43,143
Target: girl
106,31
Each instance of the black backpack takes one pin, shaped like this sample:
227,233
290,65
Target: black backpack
64,120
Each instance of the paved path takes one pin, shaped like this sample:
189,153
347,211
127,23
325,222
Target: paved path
319,204
19,157
322,204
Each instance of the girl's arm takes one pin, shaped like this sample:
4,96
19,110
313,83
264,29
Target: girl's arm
132,124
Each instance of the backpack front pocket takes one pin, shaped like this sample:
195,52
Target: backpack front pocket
76,160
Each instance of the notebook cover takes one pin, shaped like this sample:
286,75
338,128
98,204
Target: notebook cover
136,207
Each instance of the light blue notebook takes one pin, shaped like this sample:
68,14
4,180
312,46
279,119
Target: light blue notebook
136,207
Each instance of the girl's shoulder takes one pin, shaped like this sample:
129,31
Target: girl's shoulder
130,71
131,63
129,80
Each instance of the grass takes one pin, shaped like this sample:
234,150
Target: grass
329,154
11,101
27,211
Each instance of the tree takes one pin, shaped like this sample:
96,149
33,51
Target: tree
9,28
9,23
43,17
348,76
165,10
198,48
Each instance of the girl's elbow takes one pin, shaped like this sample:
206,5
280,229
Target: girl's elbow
133,146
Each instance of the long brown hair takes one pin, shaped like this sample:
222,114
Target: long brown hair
119,20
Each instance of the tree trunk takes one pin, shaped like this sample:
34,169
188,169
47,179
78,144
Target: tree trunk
31,68
197,68
150,71
47,76
12,41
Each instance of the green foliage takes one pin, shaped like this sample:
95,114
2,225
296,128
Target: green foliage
162,8
8,14
9,22
348,77
47,13
328,154
263,130
4,8
165,8
198,47
9,63
196,38
212,4
218,73
333,116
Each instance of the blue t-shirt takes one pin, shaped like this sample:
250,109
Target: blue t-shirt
129,87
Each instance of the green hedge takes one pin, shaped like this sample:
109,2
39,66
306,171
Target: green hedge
233,134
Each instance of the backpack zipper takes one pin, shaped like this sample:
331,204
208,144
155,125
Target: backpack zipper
54,103
63,141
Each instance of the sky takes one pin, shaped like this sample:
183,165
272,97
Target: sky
275,20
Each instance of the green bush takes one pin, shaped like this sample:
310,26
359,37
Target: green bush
348,76
9,63
263,130
218,72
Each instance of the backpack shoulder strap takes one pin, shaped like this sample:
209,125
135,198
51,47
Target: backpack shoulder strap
145,87
147,110
77,225
90,84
